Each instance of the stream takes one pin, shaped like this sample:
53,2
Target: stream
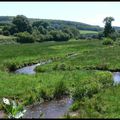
54,108
50,109
30,69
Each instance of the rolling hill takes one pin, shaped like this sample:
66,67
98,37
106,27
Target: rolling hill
56,23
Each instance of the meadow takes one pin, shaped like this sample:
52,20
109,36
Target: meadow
88,32
84,76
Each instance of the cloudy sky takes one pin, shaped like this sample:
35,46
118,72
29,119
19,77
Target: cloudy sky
87,12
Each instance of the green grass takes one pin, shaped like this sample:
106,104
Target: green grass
70,70
88,32
105,104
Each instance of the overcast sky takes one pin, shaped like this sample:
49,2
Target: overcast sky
87,12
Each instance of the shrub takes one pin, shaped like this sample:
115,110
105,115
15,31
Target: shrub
1,32
114,35
6,33
25,37
107,41
59,35
89,38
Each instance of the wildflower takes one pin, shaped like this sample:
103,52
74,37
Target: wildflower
6,101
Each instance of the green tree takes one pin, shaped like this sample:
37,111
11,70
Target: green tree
108,27
13,29
58,35
42,30
22,23
40,23
25,37
75,32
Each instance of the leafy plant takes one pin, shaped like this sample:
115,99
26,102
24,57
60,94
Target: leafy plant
107,41
13,109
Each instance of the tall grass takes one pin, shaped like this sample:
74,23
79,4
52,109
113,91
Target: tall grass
71,75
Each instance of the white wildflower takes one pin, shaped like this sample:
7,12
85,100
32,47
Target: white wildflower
14,104
6,101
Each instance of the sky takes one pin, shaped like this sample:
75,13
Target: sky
86,12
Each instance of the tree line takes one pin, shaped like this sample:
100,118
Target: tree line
43,30
38,31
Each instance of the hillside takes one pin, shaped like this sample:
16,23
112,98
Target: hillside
55,23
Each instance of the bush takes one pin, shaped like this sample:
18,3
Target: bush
59,35
6,33
107,41
1,32
25,37
100,35
114,35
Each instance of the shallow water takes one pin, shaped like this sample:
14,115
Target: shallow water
27,70
116,77
30,69
51,109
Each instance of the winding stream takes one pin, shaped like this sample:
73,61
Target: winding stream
54,108
50,109
30,69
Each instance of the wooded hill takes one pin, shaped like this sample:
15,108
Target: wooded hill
55,23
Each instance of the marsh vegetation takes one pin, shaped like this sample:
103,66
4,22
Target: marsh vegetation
80,69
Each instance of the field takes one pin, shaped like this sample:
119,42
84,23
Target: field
88,32
79,75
